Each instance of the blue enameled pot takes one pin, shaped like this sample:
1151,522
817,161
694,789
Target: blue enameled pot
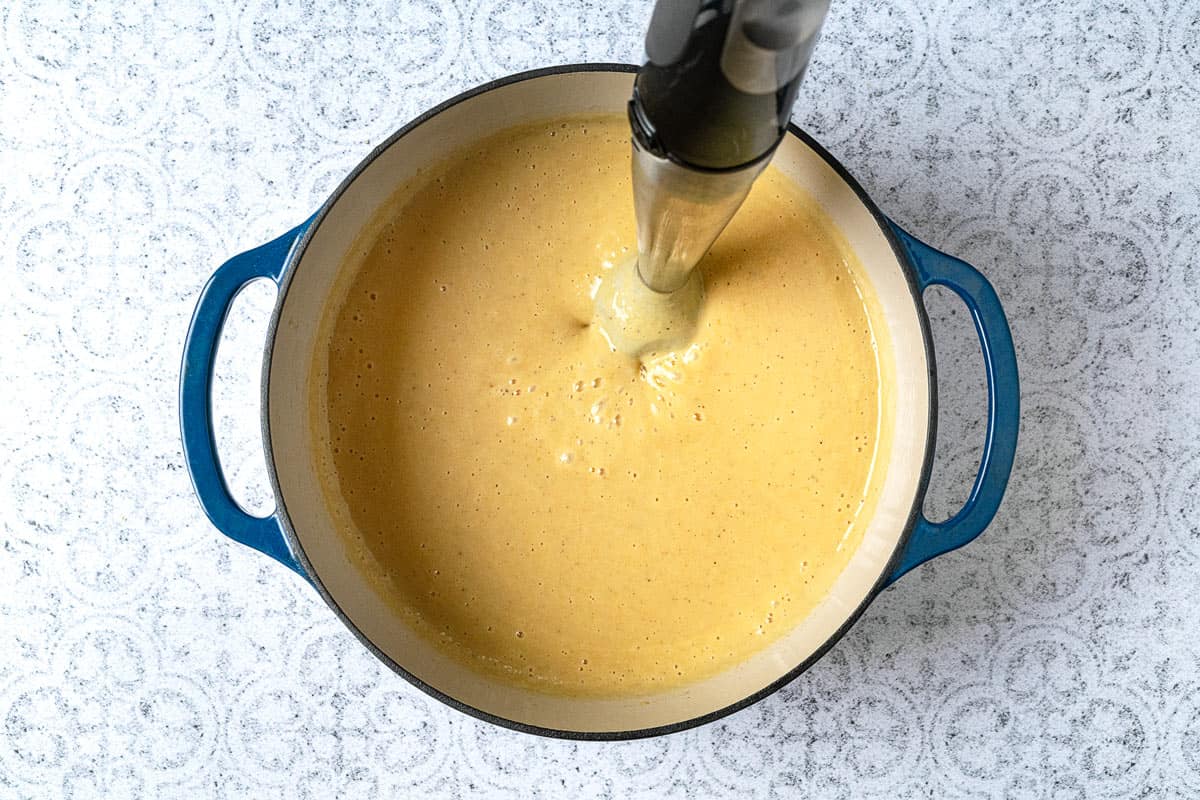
304,263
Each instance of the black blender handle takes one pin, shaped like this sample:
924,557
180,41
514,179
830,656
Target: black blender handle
721,79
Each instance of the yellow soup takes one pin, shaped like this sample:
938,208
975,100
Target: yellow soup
557,514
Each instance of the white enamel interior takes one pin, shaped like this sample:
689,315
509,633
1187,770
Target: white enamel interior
291,439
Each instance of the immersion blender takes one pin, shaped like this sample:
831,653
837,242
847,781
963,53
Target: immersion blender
709,108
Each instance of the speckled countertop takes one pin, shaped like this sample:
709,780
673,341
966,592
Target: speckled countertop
1051,143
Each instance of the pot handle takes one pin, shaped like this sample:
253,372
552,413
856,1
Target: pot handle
935,268
264,534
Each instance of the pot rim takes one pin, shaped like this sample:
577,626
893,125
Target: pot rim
293,541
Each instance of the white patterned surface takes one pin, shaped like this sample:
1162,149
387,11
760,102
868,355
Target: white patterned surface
1050,142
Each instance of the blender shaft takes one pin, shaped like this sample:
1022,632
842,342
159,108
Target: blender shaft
680,212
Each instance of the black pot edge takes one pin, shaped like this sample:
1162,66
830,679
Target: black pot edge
600,736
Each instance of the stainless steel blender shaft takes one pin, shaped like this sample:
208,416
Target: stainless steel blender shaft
680,213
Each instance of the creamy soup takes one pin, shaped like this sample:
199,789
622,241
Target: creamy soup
554,512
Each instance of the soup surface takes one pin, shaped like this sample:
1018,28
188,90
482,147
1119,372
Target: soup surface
560,515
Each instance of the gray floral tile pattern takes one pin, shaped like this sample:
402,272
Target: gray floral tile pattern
1050,142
